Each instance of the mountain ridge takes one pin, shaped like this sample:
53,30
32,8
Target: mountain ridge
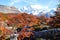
8,9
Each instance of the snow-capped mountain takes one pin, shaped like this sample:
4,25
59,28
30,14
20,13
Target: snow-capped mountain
47,13
39,12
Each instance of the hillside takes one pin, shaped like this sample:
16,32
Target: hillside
21,19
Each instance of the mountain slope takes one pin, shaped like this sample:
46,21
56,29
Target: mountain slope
8,9
19,20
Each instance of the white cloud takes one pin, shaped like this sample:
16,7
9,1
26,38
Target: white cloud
17,1
40,7
14,1
36,6
54,9
25,8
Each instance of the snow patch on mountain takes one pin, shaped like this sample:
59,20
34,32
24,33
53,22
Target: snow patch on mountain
38,10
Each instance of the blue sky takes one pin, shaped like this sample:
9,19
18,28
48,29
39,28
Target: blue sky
49,4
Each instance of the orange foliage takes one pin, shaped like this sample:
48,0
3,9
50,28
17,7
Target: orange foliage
21,19
24,33
5,30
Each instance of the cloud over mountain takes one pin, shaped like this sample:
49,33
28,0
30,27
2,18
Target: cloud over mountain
14,1
35,9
